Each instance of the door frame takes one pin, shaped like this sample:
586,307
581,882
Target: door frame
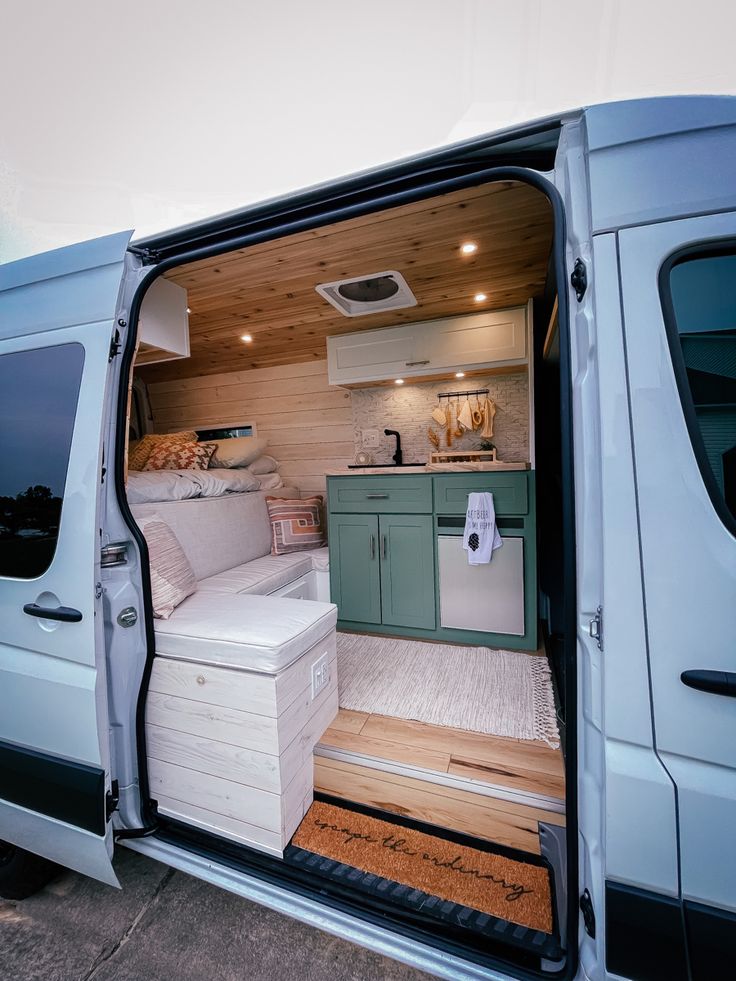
413,180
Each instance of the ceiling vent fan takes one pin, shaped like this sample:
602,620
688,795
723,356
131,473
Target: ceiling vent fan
368,294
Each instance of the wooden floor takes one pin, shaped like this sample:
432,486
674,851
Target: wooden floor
466,781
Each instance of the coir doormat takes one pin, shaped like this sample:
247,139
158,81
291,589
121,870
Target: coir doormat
491,883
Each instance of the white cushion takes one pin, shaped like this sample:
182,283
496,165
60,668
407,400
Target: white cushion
320,559
261,575
216,533
238,451
256,633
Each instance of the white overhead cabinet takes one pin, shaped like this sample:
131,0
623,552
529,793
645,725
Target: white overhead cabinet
431,347
164,324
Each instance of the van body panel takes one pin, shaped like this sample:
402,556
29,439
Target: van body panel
688,560
53,690
76,848
75,285
638,791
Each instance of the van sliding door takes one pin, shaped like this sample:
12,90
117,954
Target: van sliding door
679,304
56,327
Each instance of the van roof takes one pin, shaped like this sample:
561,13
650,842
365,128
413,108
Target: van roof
531,145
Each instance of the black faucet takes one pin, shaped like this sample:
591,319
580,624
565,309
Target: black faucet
398,455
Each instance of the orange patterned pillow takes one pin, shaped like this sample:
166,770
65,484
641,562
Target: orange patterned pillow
296,525
181,456
138,455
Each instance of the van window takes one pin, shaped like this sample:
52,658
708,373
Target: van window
39,390
703,294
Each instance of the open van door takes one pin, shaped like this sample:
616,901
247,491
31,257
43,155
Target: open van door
57,324
678,282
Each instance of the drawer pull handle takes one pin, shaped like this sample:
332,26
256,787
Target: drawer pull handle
413,364
376,497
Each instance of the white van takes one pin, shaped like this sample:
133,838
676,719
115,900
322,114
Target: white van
485,762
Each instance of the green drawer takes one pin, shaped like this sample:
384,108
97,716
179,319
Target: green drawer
380,495
509,489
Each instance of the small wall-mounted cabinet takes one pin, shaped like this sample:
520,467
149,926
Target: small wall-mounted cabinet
163,333
475,342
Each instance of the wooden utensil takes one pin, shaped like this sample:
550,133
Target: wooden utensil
477,414
450,429
458,430
439,415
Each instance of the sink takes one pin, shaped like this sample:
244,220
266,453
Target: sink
382,466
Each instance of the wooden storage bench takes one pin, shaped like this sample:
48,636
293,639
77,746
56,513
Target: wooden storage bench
231,715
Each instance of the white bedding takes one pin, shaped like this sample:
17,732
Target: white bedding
151,486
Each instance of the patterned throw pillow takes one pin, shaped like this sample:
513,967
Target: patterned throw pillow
296,525
138,455
172,577
180,456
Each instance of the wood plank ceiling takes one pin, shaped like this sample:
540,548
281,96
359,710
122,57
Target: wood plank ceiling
268,290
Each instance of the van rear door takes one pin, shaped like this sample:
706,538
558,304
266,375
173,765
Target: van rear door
678,283
57,323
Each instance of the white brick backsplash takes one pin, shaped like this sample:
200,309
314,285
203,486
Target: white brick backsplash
409,410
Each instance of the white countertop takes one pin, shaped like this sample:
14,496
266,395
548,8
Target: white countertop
431,468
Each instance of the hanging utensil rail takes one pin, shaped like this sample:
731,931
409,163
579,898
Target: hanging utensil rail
454,395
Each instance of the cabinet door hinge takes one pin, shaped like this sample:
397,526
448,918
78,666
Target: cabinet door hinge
112,799
586,908
595,627
579,278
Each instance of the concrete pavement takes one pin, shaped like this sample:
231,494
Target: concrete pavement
167,926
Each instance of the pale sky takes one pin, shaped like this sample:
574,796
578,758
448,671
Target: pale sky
151,115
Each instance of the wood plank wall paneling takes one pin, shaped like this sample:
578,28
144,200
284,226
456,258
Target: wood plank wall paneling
307,423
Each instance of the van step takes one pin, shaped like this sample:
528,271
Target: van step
445,911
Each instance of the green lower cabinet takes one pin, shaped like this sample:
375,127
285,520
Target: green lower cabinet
404,571
407,570
355,571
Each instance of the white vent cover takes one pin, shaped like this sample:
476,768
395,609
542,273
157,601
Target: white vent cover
368,294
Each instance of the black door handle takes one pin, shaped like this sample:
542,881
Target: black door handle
66,614
715,682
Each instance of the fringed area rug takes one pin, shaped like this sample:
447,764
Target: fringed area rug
501,693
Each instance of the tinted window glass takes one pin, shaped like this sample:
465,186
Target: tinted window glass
38,402
703,290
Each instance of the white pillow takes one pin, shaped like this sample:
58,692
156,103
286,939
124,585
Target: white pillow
237,452
264,464
172,577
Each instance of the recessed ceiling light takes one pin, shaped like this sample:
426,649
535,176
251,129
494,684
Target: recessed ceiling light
480,297
459,374
468,248
399,381
247,338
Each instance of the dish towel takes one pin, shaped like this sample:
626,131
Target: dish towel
481,537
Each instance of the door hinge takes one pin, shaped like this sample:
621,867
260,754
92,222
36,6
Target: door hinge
112,799
586,908
98,590
595,627
115,345
579,278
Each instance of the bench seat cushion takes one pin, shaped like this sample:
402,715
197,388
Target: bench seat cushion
260,576
264,575
255,633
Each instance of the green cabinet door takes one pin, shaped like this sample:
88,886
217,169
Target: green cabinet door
355,576
407,570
